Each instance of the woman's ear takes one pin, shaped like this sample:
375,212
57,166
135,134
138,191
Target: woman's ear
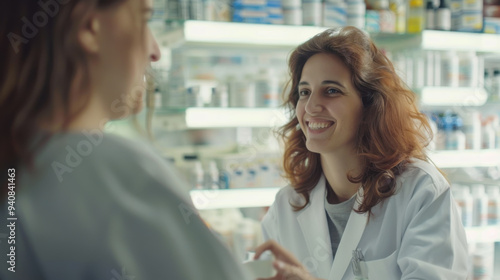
88,32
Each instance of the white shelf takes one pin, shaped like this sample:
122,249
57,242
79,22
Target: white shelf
248,34
230,33
233,198
234,117
466,158
460,41
199,118
453,96
483,234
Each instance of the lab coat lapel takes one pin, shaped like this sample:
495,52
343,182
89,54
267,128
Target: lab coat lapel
314,227
349,241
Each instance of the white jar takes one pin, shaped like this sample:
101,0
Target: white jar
266,89
241,92
472,130
312,13
449,69
480,209
493,205
465,204
468,69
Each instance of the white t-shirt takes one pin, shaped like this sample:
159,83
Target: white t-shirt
104,207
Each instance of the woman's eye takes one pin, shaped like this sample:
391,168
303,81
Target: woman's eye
332,91
303,92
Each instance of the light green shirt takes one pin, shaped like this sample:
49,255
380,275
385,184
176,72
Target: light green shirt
105,207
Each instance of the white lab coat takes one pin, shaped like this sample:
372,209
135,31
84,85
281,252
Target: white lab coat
414,234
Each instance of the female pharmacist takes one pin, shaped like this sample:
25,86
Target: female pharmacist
363,199
89,205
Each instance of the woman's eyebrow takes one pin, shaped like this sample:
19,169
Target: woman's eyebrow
325,82
333,82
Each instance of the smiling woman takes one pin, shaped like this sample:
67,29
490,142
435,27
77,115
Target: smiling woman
360,182
84,204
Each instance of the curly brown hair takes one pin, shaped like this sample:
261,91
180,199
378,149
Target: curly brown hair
392,130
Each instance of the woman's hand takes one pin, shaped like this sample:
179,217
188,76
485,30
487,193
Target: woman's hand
286,264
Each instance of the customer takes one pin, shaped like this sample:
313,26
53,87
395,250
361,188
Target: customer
359,176
89,205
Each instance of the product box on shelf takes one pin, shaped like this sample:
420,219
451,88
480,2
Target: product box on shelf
492,25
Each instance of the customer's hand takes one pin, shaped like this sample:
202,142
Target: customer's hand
286,264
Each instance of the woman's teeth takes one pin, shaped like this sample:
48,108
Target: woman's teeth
319,125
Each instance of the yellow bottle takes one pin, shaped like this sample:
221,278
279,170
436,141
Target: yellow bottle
415,23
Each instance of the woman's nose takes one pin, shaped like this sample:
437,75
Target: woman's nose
313,104
155,53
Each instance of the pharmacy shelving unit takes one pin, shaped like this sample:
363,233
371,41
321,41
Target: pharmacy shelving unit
244,34
259,197
230,35
204,117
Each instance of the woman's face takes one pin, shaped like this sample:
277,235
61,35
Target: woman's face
329,108
127,47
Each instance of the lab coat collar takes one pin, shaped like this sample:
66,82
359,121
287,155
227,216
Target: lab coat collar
314,226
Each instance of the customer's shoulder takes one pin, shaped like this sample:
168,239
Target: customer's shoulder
101,154
127,146
113,149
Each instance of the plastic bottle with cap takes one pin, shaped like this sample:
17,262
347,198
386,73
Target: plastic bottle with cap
244,238
193,97
458,138
468,69
465,204
416,16
447,131
356,10
387,17
493,205
483,261
212,175
430,15
495,85
495,122
398,7
335,13
488,135
194,172
480,206
449,69
443,16
220,97
266,88
472,130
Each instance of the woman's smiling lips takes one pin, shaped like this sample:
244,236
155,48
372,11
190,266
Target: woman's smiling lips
318,126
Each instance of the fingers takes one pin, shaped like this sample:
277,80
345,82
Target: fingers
278,251
291,272
262,248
